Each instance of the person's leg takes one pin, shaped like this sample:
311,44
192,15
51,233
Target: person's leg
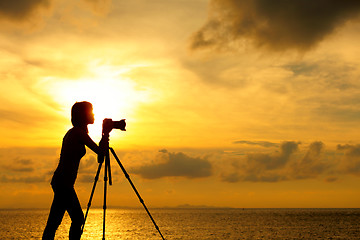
76,215
56,214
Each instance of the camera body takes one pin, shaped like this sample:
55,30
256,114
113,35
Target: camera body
109,124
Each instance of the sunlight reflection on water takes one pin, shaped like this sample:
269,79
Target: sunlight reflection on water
120,224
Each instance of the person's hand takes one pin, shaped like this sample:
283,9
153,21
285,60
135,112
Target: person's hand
103,146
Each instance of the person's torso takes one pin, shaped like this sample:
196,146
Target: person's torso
72,150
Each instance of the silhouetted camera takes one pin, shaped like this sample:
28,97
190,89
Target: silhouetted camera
109,124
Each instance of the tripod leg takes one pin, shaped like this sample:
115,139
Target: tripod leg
107,168
137,193
91,195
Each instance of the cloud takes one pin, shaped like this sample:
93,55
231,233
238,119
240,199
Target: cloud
27,164
86,178
32,12
276,25
263,167
272,161
19,165
175,165
350,162
88,163
260,143
311,165
88,167
21,10
288,163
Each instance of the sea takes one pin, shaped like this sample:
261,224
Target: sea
192,223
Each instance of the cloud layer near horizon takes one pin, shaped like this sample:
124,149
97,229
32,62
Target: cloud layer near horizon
287,162
290,163
276,25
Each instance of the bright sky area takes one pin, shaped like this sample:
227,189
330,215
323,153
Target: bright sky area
228,103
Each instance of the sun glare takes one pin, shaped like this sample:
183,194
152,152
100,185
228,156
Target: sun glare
112,95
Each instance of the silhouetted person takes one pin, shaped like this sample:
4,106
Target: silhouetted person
72,150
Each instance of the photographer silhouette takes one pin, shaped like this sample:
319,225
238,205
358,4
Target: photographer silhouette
63,180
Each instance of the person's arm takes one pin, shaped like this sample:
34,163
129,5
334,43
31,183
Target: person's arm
90,143
99,150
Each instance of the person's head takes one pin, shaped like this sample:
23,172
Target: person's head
82,114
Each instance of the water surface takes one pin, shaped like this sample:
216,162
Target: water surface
193,224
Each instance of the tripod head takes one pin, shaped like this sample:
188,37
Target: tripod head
108,125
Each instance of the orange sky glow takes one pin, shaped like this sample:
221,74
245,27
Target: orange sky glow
228,103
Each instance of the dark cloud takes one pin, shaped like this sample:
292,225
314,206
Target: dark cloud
86,178
28,10
21,10
350,163
277,25
271,177
272,161
175,165
311,165
260,143
263,167
287,164
19,165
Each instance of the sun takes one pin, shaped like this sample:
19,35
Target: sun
111,95
110,99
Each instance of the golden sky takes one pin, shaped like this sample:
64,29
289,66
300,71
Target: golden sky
228,103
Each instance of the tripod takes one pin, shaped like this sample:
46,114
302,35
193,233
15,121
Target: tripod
107,176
